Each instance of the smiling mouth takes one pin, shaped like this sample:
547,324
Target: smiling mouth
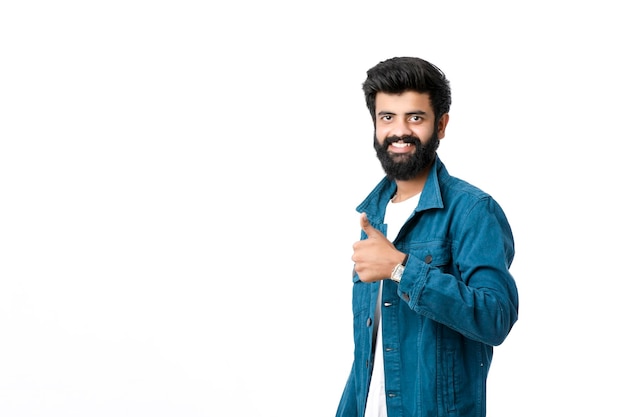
400,145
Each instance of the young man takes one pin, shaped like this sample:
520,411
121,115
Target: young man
432,290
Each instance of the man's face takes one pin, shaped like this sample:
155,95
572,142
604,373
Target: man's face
406,140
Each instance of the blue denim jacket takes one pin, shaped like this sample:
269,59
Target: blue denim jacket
456,300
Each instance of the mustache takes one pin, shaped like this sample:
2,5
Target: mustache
414,140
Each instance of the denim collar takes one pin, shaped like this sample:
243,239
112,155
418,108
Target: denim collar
376,202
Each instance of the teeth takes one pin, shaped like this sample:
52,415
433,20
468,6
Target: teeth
400,144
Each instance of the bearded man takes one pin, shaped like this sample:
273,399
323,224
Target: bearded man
432,290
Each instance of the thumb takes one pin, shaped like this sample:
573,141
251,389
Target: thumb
366,226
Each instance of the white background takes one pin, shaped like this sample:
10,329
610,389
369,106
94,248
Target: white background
178,183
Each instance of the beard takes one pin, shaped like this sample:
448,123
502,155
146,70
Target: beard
406,166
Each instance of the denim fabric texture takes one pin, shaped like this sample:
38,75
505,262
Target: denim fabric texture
456,300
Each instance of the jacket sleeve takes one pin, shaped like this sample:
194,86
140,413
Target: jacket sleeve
481,304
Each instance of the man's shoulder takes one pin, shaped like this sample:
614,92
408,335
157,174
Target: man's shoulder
457,185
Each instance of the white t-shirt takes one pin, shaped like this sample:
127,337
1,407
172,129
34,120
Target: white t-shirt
395,217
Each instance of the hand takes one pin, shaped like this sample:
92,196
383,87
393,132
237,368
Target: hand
375,257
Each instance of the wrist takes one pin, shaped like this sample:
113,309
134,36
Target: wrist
398,270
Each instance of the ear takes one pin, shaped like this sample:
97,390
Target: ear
441,127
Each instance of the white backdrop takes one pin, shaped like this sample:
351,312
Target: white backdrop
178,183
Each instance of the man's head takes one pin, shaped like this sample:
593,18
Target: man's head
397,75
409,100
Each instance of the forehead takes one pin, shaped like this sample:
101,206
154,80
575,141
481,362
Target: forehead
408,101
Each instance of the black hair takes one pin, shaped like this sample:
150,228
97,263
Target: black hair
400,74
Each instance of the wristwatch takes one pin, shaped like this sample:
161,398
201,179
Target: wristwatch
398,270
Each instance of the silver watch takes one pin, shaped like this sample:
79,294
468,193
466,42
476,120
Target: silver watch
398,270
396,274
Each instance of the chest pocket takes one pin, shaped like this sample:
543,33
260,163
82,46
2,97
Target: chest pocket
434,253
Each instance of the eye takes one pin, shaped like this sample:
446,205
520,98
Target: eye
415,118
386,117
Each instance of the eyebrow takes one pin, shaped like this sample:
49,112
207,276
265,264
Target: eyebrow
411,113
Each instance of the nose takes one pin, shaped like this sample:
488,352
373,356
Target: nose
400,128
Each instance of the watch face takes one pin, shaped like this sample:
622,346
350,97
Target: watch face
397,272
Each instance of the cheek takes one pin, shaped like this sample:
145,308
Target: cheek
423,134
382,132
380,139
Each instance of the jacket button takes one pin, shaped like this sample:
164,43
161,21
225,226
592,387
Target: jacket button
369,322
428,259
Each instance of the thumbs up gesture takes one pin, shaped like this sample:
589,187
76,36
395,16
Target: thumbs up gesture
375,257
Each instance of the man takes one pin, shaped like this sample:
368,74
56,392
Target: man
432,290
